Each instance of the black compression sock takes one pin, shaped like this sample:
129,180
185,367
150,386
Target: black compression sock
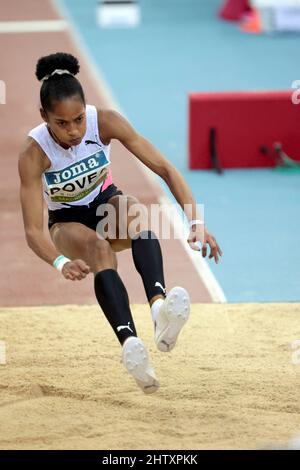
113,299
148,261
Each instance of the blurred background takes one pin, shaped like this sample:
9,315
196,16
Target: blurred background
179,70
192,46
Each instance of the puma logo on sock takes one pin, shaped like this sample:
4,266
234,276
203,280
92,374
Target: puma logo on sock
124,327
158,284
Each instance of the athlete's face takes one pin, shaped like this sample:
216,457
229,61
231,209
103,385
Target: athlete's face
67,121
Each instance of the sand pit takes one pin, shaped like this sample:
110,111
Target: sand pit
229,384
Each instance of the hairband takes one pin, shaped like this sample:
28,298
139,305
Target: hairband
58,72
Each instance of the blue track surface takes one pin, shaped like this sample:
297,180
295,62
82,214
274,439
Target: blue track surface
181,47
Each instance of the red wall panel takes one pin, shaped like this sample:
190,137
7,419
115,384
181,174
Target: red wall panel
244,121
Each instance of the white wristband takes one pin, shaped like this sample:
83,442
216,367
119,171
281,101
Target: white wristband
60,261
196,222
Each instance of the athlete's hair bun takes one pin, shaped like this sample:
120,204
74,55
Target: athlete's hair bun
61,60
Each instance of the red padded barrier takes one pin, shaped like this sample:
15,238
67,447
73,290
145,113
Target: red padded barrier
244,121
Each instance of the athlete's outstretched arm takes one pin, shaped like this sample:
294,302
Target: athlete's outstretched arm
31,196
114,126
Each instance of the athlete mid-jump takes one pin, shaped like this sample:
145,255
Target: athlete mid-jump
66,161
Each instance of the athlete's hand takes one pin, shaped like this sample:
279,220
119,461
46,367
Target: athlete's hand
75,270
197,234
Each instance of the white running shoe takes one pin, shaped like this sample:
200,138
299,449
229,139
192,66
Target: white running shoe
136,360
172,316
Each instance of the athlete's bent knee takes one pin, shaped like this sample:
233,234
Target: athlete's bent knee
100,254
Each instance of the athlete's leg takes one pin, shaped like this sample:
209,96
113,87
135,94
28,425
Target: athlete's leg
169,313
145,246
75,240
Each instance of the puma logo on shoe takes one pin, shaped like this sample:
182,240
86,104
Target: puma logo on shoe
158,284
124,327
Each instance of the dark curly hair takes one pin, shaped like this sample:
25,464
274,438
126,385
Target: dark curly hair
58,87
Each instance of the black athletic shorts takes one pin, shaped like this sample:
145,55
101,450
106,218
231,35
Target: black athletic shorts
85,215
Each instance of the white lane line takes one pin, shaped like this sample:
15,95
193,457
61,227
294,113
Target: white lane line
33,26
202,268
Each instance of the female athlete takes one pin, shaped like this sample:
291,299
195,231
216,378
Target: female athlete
66,161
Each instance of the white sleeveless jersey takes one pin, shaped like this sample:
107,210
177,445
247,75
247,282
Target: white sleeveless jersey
78,174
